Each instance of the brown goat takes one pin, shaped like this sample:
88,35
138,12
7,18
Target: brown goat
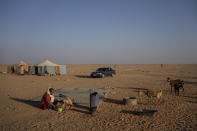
151,93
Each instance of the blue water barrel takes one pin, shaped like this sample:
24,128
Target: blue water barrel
94,100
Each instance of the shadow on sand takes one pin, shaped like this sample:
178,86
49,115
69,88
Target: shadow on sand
28,102
81,106
139,113
81,109
190,82
137,89
110,100
132,88
194,97
184,77
194,102
83,76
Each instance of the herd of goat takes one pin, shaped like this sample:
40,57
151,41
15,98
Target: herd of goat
176,84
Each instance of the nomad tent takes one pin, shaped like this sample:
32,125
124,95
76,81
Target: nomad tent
32,70
48,67
21,67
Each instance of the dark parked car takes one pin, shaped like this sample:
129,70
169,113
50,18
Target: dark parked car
102,72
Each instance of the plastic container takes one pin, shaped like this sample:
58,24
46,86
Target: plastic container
94,102
130,101
59,109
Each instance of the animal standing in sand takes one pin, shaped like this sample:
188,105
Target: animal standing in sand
64,104
68,102
151,93
177,84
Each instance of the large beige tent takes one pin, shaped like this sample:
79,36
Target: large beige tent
47,67
51,68
47,63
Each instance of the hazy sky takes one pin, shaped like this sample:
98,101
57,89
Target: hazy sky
98,31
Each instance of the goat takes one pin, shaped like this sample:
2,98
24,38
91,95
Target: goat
176,84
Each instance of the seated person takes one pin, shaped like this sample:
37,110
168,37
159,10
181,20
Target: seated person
47,101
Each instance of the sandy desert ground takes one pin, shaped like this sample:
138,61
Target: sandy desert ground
173,112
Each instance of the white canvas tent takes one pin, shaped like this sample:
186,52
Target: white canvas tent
51,68
46,67
47,63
